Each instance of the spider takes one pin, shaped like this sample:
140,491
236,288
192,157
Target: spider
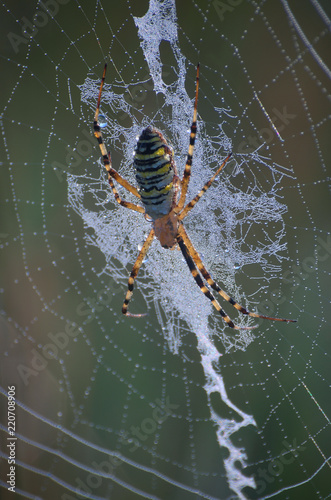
159,186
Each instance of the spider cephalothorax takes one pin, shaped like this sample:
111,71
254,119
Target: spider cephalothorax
159,187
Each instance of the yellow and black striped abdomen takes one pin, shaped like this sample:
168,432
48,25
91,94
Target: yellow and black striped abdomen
156,173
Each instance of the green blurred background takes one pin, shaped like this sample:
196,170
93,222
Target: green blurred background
112,373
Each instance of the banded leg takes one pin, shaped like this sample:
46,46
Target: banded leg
187,171
127,204
112,173
133,275
197,259
195,200
203,288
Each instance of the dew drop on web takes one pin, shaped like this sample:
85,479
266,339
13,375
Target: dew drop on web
102,121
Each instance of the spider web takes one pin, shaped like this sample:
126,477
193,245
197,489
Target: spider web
173,405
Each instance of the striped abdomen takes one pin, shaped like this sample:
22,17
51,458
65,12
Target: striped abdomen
156,173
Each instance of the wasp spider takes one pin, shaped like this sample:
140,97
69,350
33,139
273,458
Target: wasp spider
163,196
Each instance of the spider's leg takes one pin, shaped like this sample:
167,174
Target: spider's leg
203,288
197,259
187,171
106,156
134,273
127,204
195,200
